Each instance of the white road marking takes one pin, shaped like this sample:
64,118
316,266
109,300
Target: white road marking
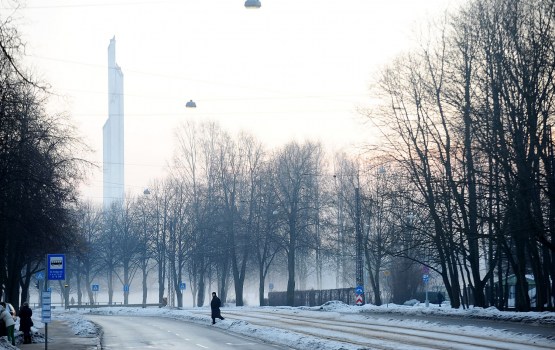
202,346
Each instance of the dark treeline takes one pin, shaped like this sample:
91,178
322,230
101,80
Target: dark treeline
38,174
471,117
461,185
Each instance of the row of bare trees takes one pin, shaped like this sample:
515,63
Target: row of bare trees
469,117
226,212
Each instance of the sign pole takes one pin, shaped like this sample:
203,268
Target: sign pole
55,267
43,307
359,263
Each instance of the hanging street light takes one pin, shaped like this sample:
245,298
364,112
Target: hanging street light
252,4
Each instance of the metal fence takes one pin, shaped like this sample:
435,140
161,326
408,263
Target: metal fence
313,297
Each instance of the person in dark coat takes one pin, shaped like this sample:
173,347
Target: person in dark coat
215,306
25,322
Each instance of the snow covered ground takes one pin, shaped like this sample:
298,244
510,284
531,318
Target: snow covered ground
264,322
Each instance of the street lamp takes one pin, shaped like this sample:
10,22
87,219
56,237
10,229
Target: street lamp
252,4
191,104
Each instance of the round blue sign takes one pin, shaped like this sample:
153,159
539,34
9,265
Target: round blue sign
359,290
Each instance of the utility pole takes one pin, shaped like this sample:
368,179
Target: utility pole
359,265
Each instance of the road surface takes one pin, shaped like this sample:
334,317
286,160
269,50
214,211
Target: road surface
141,333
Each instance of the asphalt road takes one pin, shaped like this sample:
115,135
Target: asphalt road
138,333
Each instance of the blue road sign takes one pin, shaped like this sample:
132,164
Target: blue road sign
56,266
39,275
126,288
182,285
46,300
425,278
95,287
359,290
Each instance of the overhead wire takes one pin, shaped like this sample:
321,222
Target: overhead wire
284,95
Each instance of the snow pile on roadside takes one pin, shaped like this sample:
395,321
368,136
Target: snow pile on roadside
4,344
78,324
491,313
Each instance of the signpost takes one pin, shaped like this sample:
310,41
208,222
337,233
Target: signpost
359,291
56,271
39,275
56,264
387,273
426,279
95,288
359,266
46,300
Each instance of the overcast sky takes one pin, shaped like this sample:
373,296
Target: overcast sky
289,70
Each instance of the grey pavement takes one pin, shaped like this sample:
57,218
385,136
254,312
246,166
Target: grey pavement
61,337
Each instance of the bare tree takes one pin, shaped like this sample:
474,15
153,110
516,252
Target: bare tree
296,165
89,221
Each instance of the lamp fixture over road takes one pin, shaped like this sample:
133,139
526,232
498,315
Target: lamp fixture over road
191,104
252,4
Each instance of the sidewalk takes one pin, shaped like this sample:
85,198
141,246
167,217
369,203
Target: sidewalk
61,337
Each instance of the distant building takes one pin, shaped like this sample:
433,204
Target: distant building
113,141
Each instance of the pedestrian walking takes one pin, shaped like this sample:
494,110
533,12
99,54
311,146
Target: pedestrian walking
8,321
215,306
25,322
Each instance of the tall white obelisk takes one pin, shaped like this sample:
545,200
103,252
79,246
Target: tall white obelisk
113,141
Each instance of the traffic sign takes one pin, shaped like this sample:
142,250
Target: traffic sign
56,266
126,288
46,301
271,286
39,275
425,278
359,300
359,290
95,287
182,285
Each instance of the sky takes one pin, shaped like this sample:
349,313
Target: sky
291,70
322,339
